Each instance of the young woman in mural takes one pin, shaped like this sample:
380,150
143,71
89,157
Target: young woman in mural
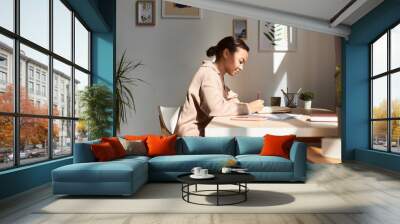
208,96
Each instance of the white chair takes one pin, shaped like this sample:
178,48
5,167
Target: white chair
168,119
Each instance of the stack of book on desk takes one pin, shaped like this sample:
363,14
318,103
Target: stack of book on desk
323,117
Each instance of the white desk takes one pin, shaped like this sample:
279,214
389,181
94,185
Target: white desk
225,126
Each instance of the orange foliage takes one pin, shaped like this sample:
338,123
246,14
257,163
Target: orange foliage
33,130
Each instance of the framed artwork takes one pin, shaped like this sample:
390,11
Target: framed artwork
240,28
145,13
276,37
176,10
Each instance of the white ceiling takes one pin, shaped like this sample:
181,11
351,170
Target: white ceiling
313,15
321,9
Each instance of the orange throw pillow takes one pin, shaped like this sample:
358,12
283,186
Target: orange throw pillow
116,145
103,152
161,145
277,145
135,137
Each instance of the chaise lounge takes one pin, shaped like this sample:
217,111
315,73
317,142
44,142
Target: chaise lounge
125,176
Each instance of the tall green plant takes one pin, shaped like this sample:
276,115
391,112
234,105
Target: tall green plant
96,102
124,99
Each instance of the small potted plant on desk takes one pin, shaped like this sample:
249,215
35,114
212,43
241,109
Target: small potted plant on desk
307,97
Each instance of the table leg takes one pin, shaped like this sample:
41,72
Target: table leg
217,194
245,193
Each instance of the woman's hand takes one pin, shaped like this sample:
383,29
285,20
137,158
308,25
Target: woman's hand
256,105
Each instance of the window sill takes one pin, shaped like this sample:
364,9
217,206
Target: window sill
25,167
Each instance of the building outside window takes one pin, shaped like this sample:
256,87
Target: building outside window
60,127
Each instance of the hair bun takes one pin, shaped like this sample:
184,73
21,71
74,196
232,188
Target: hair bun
212,51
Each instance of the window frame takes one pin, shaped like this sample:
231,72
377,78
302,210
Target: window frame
16,114
388,74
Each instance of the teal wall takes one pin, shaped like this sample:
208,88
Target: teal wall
355,128
99,15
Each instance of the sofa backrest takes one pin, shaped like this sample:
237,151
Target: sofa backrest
83,152
248,145
206,145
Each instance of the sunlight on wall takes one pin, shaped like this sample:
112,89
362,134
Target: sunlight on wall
282,85
278,58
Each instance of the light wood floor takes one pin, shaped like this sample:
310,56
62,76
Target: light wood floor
378,188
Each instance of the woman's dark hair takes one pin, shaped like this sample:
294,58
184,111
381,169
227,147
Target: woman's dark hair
231,43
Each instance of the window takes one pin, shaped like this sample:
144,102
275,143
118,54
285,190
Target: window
30,72
62,32
35,21
7,14
385,94
81,45
6,74
30,88
44,125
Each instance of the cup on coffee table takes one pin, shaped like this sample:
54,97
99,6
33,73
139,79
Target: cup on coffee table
203,172
196,170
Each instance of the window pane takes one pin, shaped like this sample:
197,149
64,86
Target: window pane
7,14
62,89
379,55
33,140
81,45
62,29
62,138
395,136
35,21
34,81
81,131
379,97
395,94
6,142
6,74
81,81
379,135
395,47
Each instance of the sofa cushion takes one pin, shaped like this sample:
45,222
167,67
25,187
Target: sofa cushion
83,152
161,145
116,145
112,171
248,145
277,145
185,163
103,152
206,145
257,163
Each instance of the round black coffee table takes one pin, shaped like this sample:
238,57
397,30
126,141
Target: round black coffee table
238,179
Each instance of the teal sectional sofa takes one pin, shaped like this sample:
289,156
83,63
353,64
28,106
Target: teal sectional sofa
125,176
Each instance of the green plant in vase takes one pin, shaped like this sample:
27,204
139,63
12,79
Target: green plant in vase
96,102
307,97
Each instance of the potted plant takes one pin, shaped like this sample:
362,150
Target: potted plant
96,102
307,97
123,89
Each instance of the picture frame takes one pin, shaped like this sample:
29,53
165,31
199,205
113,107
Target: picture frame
145,13
179,11
239,28
275,37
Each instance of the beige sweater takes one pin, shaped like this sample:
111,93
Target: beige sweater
206,98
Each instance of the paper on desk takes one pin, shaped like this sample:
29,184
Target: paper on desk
260,117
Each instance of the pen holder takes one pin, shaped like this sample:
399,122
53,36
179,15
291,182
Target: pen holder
291,100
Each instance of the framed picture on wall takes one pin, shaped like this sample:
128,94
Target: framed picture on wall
276,37
176,10
145,13
240,28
